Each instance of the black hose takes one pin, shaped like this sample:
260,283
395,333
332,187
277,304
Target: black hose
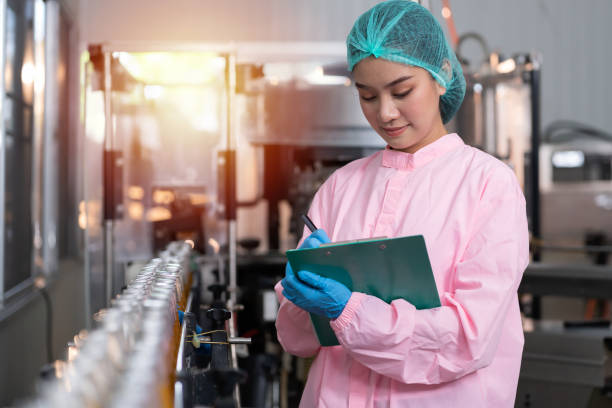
49,328
564,130
474,36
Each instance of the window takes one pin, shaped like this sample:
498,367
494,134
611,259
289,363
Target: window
18,125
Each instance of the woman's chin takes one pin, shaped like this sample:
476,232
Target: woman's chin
398,145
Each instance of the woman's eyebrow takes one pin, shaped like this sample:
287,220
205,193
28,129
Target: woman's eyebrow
398,80
389,85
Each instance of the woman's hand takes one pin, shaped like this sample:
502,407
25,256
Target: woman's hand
315,239
312,292
315,294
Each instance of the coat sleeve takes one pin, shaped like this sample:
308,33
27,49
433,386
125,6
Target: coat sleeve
294,329
293,326
432,346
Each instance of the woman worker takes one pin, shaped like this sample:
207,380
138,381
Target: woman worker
467,205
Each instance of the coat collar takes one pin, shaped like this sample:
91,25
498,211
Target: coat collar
410,161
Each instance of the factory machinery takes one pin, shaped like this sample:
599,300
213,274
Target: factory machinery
195,326
565,170
142,354
303,128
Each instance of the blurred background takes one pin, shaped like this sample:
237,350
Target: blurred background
157,155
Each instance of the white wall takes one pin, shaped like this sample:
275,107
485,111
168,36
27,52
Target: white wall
71,7
213,20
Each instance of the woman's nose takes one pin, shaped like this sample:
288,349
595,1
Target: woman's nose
387,111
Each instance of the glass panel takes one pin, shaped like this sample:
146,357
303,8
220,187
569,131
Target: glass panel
9,115
19,78
66,151
9,72
27,66
168,129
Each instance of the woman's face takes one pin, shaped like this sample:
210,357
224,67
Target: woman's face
400,102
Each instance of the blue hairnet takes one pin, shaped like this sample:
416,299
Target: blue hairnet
405,32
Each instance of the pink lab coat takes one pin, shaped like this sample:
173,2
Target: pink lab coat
466,353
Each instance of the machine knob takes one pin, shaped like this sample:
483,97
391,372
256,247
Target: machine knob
218,315
250,244
217,289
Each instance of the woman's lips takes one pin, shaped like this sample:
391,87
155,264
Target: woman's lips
394,131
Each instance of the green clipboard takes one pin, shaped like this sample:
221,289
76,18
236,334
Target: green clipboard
386,268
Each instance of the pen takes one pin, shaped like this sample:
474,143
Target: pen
309,223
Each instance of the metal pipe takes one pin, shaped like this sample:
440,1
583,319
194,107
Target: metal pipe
233,355
2,142
230,166
239,340
534,79
230,206
232,264
108,147
38,136
178,395
84,186
108,122
49,179
179,355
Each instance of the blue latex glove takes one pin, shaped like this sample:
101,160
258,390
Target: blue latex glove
315,239
316,294
312,292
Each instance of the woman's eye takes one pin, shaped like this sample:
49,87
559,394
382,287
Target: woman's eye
367,98
402,94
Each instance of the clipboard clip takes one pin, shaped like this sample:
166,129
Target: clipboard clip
352,241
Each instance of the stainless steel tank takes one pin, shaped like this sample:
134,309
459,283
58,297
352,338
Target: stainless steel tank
500,114
496,114
303,114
